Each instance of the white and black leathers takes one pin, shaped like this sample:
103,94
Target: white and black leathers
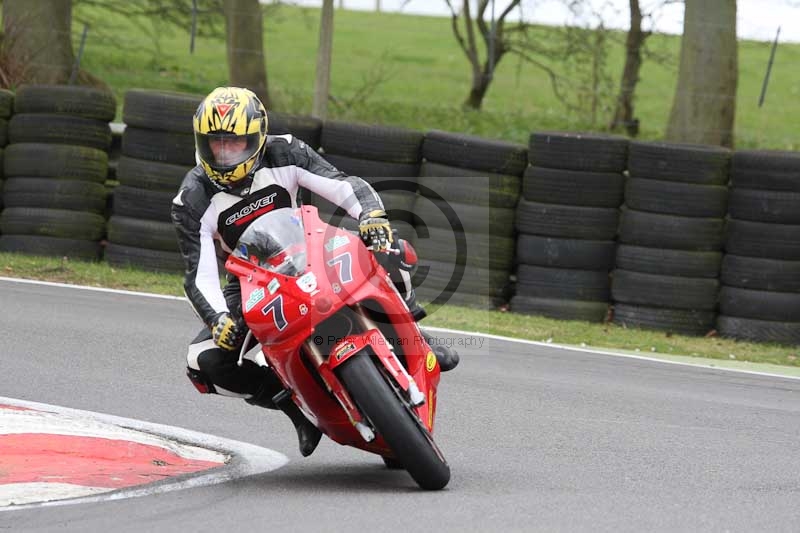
203,211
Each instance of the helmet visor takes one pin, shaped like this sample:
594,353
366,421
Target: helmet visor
224,150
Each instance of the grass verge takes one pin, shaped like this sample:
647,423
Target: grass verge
493,322
408,70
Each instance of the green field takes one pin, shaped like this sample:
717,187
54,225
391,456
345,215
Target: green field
426,75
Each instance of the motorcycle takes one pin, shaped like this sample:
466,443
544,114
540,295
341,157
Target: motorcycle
330,323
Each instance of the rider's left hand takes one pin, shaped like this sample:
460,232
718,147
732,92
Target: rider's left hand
375,230
227,332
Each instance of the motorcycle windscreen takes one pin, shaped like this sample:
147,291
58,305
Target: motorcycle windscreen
275,241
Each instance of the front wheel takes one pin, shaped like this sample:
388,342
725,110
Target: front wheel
394,420
393,464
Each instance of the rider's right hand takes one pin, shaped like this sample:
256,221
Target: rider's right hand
375,230
226,331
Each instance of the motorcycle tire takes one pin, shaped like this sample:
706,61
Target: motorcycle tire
393,419
393,464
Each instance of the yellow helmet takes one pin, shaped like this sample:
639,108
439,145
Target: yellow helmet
230,129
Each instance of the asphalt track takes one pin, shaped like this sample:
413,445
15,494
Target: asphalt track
539,439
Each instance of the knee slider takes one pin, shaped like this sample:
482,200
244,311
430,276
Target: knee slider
200,381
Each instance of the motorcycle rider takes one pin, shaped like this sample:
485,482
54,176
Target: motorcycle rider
242,173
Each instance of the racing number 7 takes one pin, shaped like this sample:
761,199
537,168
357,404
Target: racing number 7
276,306
345,262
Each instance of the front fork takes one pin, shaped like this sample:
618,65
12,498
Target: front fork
349,347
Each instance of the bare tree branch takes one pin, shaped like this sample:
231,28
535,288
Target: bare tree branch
495,43
473,51
481,21
554,77
376,76
457,31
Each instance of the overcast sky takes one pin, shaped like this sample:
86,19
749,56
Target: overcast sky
757,19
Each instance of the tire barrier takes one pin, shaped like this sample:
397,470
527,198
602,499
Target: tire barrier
567,219
6,109
760,295
157,152
467,186
671,235
55,200
469,189
59,129
677,264
388,158
70,100
578,151
307,129
476,153
160,110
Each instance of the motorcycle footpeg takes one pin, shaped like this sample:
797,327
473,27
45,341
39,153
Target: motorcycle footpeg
282,397
415,395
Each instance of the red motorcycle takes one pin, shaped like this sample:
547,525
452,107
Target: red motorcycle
341,339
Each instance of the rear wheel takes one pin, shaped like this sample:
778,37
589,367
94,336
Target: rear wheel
394,420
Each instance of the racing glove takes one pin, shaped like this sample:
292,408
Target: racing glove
227,332
375,230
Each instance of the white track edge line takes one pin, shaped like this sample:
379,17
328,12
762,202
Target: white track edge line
708,366
541,344
96,289
246,459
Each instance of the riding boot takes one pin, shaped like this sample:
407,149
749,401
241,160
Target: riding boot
400,267
446,356
416,310
263,398
269,387
308,436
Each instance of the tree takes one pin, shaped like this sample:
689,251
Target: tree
623,112
579,53
496,43
245,48
243,32
324,53
703,109
37,43
559,53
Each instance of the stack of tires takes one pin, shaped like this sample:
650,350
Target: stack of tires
307,129
157,152
567,221
469,188
386,157
55,168
671,234
6,108
760,295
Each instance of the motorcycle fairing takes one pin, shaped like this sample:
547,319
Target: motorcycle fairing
283,314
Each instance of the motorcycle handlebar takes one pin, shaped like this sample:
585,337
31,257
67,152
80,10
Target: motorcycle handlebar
378,249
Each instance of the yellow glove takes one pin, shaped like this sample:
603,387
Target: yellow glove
227,332
375,230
